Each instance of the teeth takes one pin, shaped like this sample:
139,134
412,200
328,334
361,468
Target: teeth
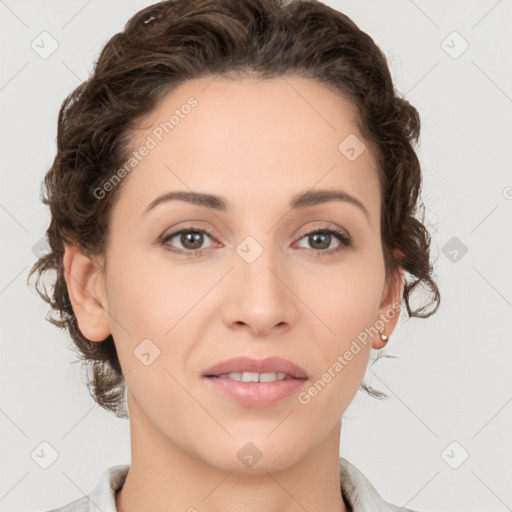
254,377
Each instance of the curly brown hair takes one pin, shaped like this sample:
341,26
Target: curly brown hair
172,41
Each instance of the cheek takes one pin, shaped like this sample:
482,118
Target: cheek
147,298
347,304
148,301
347,297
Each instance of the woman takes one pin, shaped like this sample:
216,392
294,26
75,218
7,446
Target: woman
234,228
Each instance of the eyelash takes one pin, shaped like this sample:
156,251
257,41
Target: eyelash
338,234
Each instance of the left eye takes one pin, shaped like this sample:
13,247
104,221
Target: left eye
191,240
325,236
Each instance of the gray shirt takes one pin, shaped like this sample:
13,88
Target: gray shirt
358,493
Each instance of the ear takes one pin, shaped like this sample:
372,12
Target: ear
85,281
391,302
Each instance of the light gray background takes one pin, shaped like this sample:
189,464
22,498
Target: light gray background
452,381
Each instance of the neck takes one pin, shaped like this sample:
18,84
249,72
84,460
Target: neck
165,477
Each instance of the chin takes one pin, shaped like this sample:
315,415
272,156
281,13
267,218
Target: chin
255,456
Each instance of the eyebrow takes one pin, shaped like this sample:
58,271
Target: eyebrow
219,203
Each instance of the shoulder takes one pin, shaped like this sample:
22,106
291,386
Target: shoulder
102,496
360,494
79,505
398,508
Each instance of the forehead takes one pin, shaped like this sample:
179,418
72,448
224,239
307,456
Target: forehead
260,137
276,111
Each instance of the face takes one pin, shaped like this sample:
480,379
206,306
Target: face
259,271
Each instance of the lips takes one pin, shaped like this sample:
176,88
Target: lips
260,393
249,364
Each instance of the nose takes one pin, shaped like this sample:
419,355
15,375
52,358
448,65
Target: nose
260,296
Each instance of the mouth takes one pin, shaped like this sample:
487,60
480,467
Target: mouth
245,367
256,383
253,376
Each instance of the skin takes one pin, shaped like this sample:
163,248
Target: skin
258,144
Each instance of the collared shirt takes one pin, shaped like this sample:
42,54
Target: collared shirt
358,493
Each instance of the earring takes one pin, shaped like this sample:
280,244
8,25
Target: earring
383,337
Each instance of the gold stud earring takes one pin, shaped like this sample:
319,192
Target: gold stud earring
383,336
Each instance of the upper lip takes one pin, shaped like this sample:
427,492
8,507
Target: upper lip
249,364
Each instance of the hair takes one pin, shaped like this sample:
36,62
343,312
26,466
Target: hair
170,42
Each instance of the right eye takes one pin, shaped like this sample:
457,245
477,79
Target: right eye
190,238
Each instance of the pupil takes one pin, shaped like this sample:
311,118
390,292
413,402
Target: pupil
314,239
189,239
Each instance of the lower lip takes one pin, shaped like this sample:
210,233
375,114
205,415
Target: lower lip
257,394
